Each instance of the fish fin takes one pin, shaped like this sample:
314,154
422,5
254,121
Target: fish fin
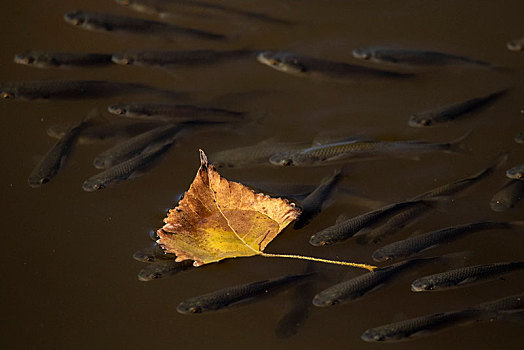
323,138
459,145
467,280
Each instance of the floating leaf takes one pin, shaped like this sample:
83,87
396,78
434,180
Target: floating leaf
219,219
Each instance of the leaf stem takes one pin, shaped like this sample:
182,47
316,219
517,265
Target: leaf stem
301,257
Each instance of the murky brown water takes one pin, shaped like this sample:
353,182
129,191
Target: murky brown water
68,276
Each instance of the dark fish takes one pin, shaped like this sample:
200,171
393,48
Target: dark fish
348,228
424,325
312,204
507,303
360,285
410,214
162,8
519,138
107,22
129,169
452,111
401,56
299,65
169,59
163,269
517,172
507,196
359,149
56,157
463,276
226,297
151,254
135,145
432,239
74,89
173,112
45,59
104,131
252,155
516,44
298,313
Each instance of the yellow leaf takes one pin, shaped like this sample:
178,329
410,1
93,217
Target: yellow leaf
219,219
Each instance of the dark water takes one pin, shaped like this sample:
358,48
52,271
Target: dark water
68,276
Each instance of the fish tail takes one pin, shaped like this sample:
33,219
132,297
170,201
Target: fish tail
458,145
516,315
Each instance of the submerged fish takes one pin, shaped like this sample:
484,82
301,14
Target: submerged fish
252,155
163,269
46,59
288,62
74,89
151,254
517,172
167,59
163,134
173,112
516,44
298,313
348,228
56,157
432,239
410,214
401,56
312,204
226,297
507,196
129,169
107,22
463,276
104,131
358,149
507,303
452,111
360,285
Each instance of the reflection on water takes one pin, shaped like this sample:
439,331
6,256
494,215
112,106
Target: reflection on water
69,273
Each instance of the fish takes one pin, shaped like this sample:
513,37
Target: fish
46,59
508,195
299,65
151,254
135,145
173,112
359,286
464,276
516,44
257,154
312,204
298,313
170,59
400,56
128,169
517,172
75,89
157,270
450,112
226,297
424,325
511,302
107,22
359,149
162,9
56,157
415,244
410,214
520,137
104,131
348,228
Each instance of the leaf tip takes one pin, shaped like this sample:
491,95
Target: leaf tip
203,158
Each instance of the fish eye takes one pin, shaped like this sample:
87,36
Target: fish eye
7,95
273,62
425,122
99,186
378,337
121,111
195,309
286,162
156,276
44,180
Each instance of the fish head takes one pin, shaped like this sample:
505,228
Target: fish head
499,205
38,180
117,109
123,58
324,300
319,239
421,285
8,93
419,121
515,173
362,54
24,58
282,61
75,18
146,275
372,335
123,2
515,46
282,159
379,255
92,185
189,307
